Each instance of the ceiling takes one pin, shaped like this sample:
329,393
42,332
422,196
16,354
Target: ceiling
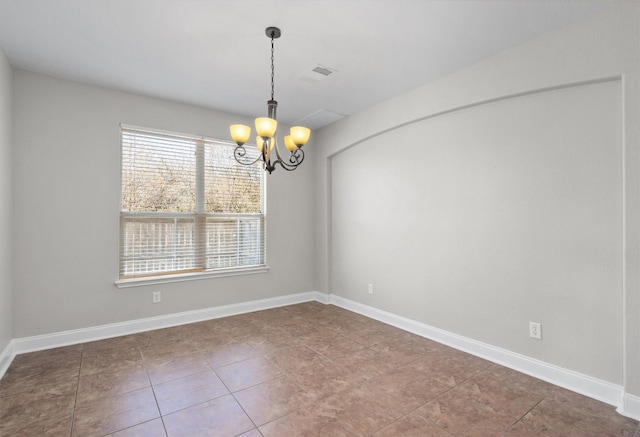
214,53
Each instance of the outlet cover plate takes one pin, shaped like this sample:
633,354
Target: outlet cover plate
535,330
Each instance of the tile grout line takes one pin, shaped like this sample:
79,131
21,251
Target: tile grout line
518,419
232,395
453,388
75,399
155,397
527,412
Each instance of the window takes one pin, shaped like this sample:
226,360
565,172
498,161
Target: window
188,206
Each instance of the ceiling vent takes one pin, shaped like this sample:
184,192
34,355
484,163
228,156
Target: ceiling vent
317,74
322,70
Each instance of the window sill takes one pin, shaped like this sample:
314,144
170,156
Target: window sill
165,279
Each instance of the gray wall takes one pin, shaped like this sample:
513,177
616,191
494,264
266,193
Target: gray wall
6,255
502,194
66,206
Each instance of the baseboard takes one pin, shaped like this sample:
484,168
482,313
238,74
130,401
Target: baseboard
604,391
66,338
6,357
630,406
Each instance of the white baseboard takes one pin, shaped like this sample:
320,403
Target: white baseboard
630,406
6,357
627,405
66,338
612,394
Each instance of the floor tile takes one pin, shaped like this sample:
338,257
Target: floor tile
367,362
465,359
269,340
163,351
401,391
176,367
529,383
123,359
414,342
461,415
108,415
297,357
209,341
110,345
229,353
219,417
581,404
332,347
160,336
412,425
399,354
50,427
270,400
446,368
41,369
253,433
363,335
153,428
19,382
247,373
521,429
505,396
307,422
67,357
38,405
188,391
356,412
572,414
326,378
111,383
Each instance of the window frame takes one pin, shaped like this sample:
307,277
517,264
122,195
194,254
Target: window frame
199,217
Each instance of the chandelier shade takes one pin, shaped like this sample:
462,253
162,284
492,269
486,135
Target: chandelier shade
260,143
300,135
289,144
266,127
240,133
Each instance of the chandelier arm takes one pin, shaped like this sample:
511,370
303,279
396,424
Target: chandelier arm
295,159
240,153
287,166
297,156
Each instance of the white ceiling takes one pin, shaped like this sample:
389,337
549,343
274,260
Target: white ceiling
214,53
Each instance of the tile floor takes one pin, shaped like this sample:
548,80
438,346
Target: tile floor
301,370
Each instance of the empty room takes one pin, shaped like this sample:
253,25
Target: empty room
269,218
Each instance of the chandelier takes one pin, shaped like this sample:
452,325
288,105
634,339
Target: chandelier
266,130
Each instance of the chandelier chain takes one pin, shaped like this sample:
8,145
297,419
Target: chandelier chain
272,68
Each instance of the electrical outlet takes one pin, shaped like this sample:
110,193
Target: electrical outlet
370,289
535,330
157,298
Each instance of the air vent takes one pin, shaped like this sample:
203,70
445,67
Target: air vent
322,70
317,74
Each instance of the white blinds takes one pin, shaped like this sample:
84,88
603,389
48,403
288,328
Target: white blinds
187,205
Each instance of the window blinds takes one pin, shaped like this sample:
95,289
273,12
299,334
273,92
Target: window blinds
187,205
